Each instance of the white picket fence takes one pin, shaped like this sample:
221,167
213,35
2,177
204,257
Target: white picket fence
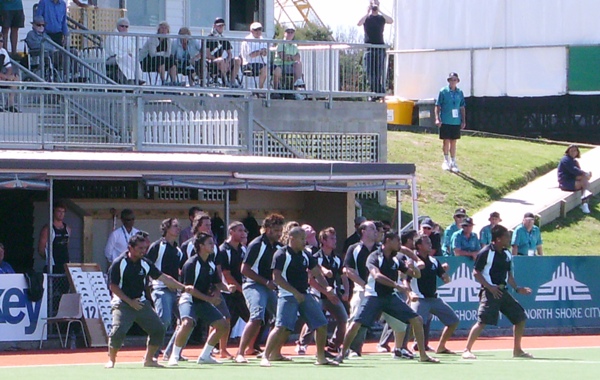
212,128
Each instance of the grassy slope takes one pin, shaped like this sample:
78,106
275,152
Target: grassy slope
490,168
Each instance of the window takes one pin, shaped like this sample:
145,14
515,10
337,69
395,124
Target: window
202,13
242,13
146,12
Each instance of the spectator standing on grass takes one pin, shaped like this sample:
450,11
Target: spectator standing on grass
459,215
374,59
450,117
493,270
13,19
485,235
572,178
127,281
527,238
5,268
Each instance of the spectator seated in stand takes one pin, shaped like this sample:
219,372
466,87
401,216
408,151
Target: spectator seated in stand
156,55
122,64
5,267
36,41
187,54
6,74
287,63
254,54
219,56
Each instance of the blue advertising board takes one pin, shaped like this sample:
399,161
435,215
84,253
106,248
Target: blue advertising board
565,291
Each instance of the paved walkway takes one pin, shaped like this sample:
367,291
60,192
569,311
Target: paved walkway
539,196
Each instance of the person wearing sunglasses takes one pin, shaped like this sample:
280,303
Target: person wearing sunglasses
122,64
119,238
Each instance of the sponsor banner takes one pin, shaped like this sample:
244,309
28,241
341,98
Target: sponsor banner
20,319
564,291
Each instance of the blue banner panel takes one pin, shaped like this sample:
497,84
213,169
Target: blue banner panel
565,291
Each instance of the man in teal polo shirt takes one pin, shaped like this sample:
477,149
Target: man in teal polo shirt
450,119
485,235
464,241
13,19
527,239
459,215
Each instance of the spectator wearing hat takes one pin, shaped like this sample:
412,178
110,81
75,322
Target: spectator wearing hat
287,60
485,235
450,119
572,178
459,215
220,55
430,229
13,19
527,238
255,53
464,241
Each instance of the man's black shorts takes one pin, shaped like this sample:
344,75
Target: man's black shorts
254,68
12,19
449,132
490,307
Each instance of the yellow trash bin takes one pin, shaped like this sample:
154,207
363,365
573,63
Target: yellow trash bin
399,111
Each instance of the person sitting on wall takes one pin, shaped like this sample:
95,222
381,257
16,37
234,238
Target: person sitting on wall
572,178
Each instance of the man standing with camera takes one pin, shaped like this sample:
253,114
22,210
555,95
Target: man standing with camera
374,60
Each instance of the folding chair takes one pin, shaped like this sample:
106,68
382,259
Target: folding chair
69,311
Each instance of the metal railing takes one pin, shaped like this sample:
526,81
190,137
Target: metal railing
81,115
329,70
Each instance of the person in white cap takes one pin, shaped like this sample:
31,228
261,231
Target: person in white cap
255,54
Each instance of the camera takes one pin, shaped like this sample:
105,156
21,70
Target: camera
374,7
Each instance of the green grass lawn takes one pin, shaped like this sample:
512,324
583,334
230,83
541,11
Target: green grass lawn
490,169
549,364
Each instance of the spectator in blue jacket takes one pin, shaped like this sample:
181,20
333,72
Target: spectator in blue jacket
54,13
572,178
